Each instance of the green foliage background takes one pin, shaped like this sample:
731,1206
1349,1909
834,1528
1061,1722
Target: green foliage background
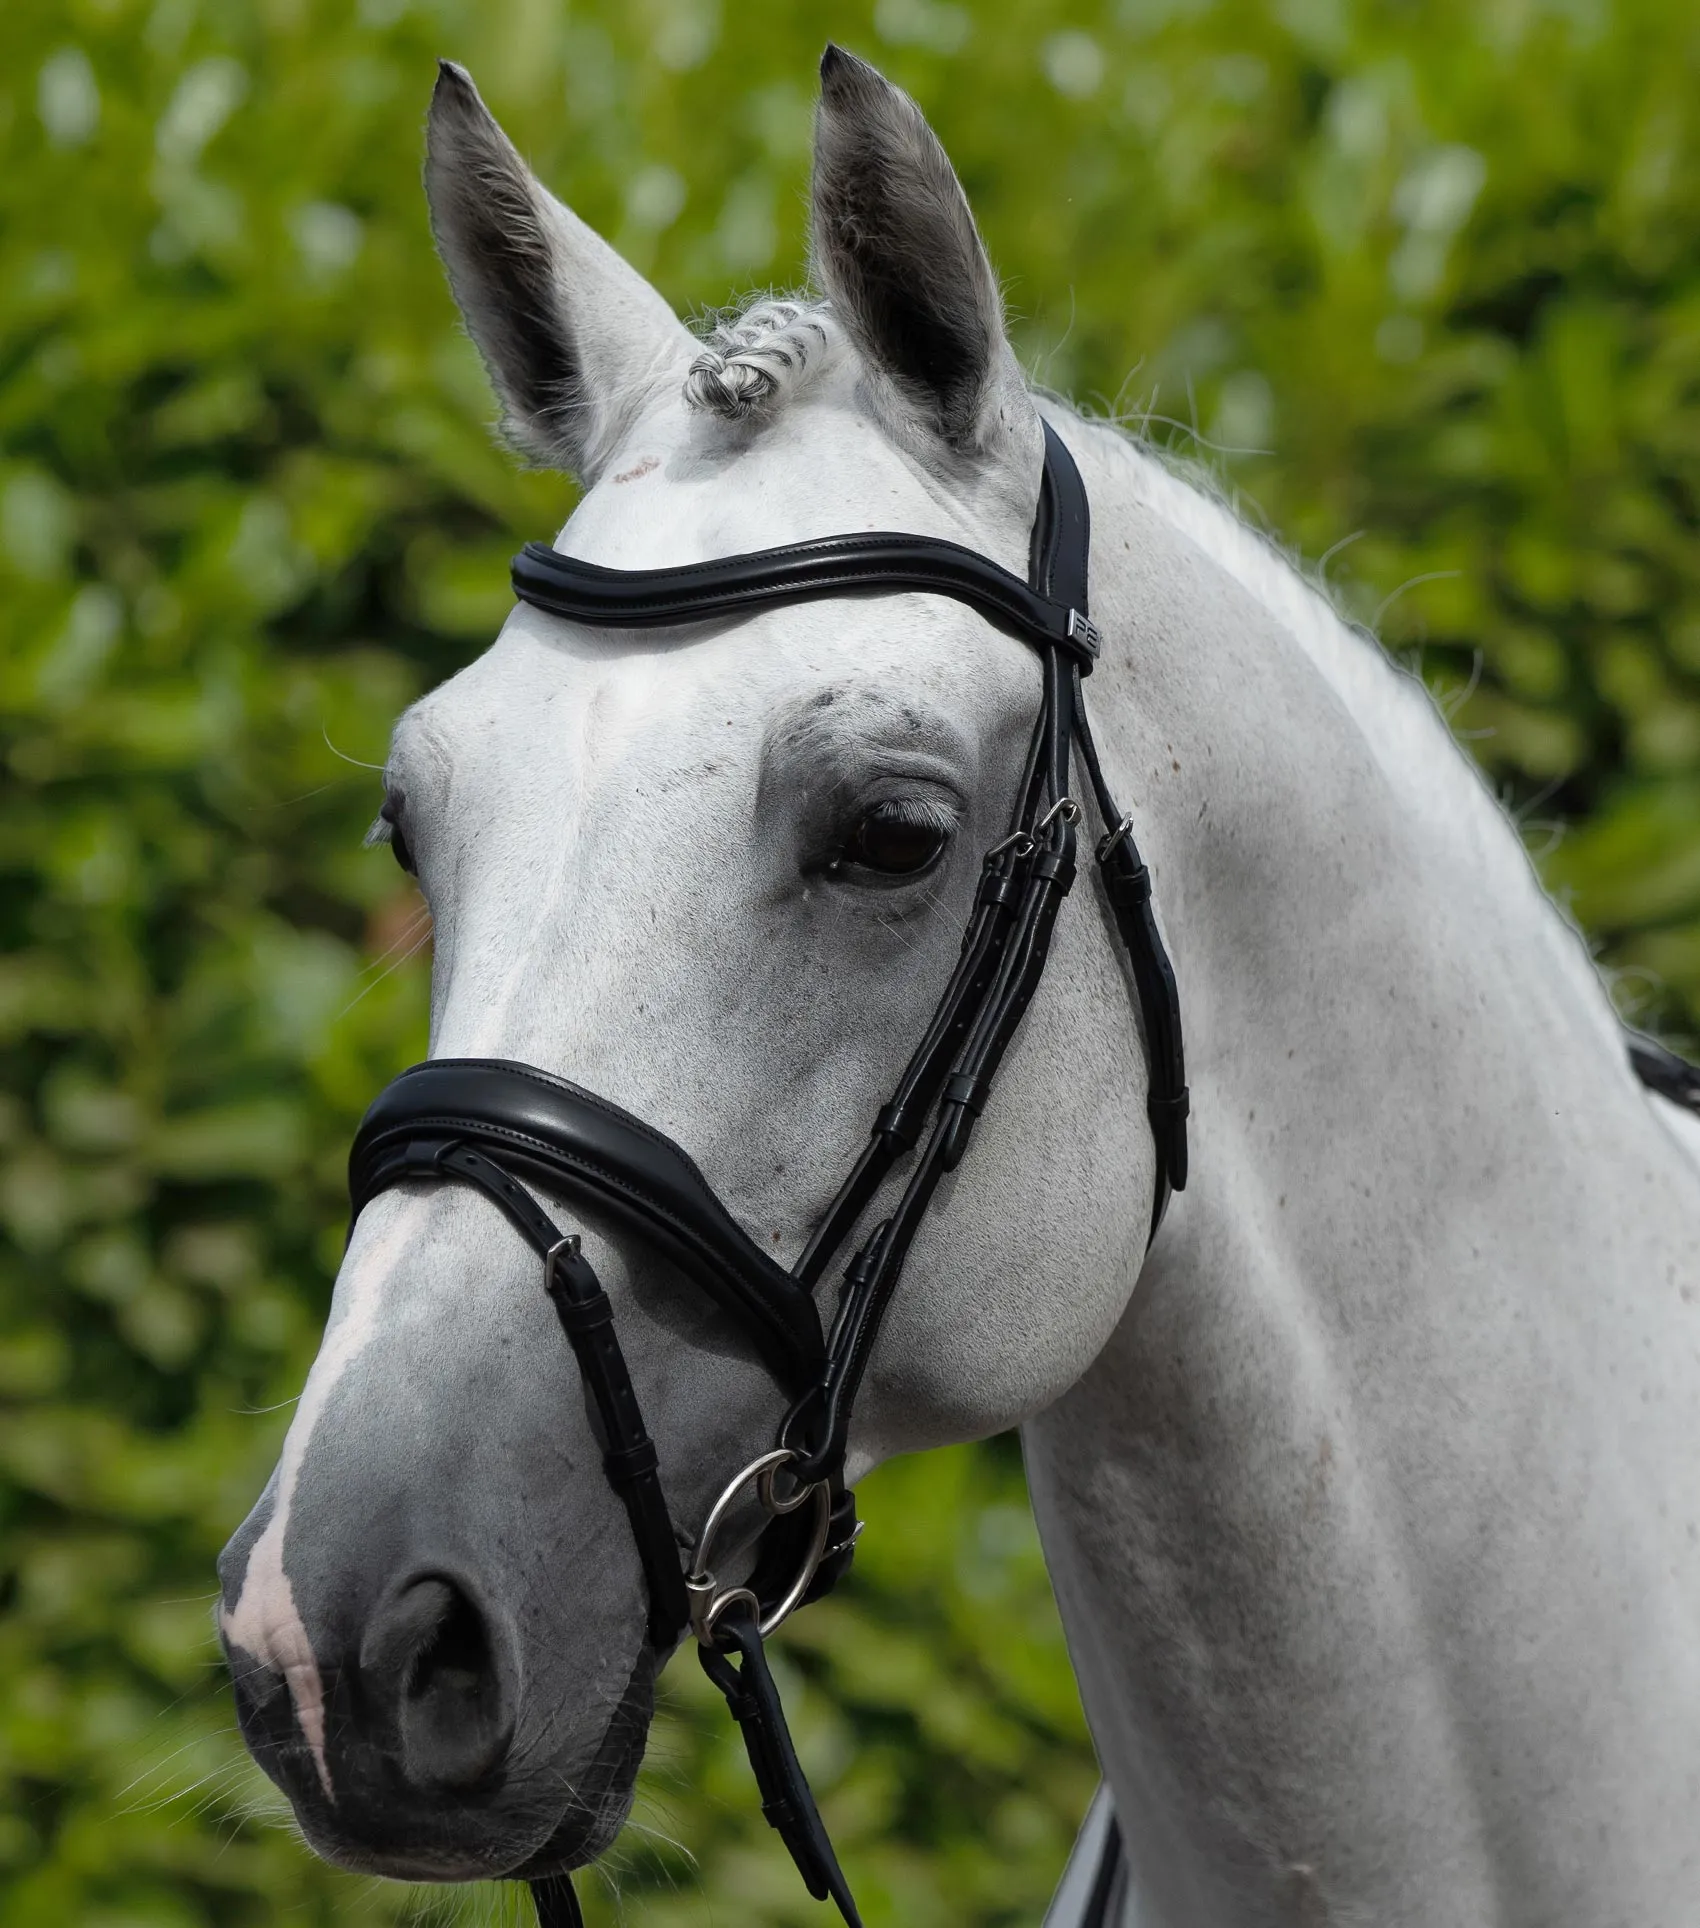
1423,272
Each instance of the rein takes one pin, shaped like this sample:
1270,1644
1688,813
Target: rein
501,1127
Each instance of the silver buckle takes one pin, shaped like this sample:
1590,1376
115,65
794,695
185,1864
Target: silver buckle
1021,843
1082,630
1064,807
1107,843
563,1248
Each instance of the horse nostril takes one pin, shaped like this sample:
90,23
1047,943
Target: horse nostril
429,1655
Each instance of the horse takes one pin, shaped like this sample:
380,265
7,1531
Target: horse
1366,1484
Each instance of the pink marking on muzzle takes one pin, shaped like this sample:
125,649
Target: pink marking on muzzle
265,1621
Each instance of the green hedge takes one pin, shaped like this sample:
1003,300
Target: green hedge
1426,273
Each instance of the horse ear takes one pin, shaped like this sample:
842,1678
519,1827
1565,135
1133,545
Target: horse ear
897,251
575,340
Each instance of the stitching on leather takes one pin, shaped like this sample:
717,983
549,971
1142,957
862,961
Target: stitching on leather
852,548
545,1081
975,580
792,1343
554,1156
877,576
697,608
509,1135
508,1068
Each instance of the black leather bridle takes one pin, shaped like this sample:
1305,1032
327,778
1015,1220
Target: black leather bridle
503,1127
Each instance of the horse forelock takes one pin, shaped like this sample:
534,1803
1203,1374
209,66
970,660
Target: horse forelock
756,358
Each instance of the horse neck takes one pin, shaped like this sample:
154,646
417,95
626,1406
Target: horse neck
1416,1153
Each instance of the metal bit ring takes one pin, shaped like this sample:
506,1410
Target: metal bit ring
708,1599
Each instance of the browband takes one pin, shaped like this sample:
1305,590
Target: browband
801,572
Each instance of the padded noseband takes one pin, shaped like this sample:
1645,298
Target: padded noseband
580,1147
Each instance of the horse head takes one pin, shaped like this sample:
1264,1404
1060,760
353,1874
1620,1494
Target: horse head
719,876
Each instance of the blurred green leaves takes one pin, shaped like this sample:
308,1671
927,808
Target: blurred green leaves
1425,277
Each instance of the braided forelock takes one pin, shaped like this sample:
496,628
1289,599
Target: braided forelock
754,361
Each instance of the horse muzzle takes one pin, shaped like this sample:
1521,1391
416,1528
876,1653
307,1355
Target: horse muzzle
414,1764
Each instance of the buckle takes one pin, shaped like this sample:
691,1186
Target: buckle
1111,838
1065,807
1082,630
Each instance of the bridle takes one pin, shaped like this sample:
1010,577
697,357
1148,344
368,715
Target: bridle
502,1127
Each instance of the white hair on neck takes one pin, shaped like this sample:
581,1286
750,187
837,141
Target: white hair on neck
1401,722
756,360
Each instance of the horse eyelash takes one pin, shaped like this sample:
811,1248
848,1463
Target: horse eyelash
923,813
917,812
382,831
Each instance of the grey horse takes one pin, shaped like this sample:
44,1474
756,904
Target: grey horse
1369,1492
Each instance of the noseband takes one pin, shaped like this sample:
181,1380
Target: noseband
503,1128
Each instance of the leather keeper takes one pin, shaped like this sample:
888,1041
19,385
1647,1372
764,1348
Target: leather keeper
897,1123
623,1464
1126,887
582,1315
864,1265
1055,867
962,1089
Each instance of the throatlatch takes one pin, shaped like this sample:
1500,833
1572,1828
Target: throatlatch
492,1124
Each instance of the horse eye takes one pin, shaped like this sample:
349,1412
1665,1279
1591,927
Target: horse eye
898,837
396,841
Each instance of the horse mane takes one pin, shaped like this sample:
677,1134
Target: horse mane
1399,719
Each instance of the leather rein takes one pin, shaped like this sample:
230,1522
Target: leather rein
503,1128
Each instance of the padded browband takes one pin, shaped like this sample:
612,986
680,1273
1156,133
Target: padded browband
833,566
582,1147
